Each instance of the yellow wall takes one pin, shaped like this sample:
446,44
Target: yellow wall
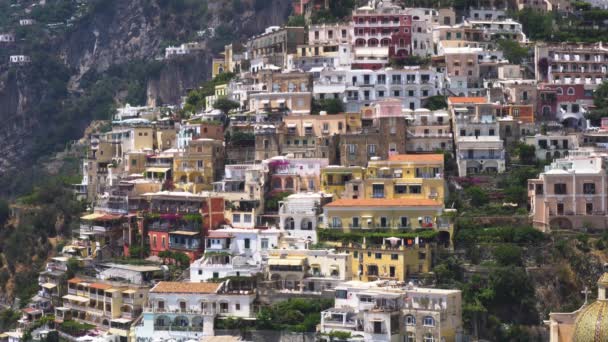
375,214
219,66
412,260
336,187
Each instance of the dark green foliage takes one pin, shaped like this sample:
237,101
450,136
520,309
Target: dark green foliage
331,106
600,101
436,102
296,21
225,105
469,233
514,52
508,255
54,11
477,196
8,319
195,100
338,10
75,328
239,138
526,153
298,315
536,25
272,203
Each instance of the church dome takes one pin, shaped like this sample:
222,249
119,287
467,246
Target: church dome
591,324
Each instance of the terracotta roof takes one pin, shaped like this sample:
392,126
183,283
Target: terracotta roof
455,99
75,281
177,287
383,202
417,158
100,286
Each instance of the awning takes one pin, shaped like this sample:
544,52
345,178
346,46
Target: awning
129,291
49,286
100,286
121,320
286,262
291,125
265,101
308,124
281,101
185,232
76,298
91,217
158,169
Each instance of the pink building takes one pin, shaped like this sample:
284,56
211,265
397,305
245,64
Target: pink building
570,194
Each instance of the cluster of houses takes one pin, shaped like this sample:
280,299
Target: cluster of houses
274,200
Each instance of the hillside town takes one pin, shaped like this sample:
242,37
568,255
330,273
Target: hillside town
329,166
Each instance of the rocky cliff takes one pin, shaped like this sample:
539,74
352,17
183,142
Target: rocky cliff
45,105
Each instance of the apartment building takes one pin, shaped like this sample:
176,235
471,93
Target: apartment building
104,234
462,68
383,213
111,306
328,45
198,165
231,252
188,310
571,63
382,311
553,145
289,174
362,88
307,270
343,181
275,44
569,194
380,28
500,29
299,217
177,221
479,148
428,131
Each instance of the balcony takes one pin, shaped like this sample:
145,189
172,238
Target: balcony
178,328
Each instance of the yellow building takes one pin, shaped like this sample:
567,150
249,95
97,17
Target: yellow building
394,259
382,213
109,305
414,176
341,181
218,66
199,165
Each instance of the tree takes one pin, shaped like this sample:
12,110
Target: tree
477,196
526,153
331,106
436,102
514,52
296,21
226,105
600,101
508,255
535,24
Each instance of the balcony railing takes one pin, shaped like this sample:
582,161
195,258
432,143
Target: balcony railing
177,328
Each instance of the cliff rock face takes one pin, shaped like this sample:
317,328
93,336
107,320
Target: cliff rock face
114,32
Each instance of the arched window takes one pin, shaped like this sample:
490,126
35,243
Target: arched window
428,321
429,338
570,91
410,320
559,91
360,42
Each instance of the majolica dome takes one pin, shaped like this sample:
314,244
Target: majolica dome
591,324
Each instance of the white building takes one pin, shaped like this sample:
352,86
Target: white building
428,131
20,59
131,112
385,311
479,148
173,51
298,217
7,38
26,22
500,29
183,311
359,88
233,252
553,145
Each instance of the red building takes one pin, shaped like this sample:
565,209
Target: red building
386,26
552,96
179,221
